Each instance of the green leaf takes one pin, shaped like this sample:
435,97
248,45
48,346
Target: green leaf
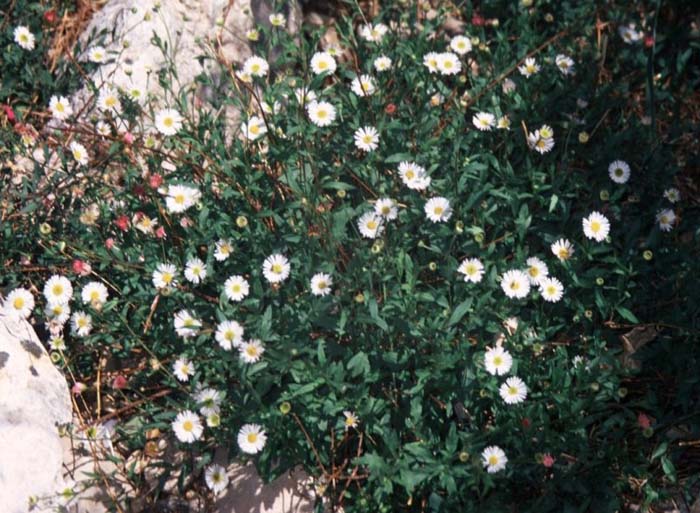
459,312
358,364
627,314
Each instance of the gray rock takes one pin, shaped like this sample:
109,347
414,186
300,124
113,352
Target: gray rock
34,402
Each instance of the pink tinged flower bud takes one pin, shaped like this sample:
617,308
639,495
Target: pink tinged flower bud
128,138
548,460
78,388
643,421
109,243
155,181
160,232
119,382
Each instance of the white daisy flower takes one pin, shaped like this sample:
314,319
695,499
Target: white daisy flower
276,268
58,313
536,270
536,141
373,33
351,419
103,128
187,426
168,121
183,369
58,290
321,284
94,293
254,128
673,195
321,113
251,438
252,35
108,100
80,154
382,63
498,361
195,270
19,302
256,66
387,208
484,121
448,63
363,86
515,284
438,209
209,401
370,225
414,176
186,325
430,61
366,138
181,197
323,62
529,67
546,132
551,289
136,94
503,123
275,108
304,96
493,459
666,219
81,324
97,54
222,249
164,276
513,391
472,269
630,34
60,107
24,38
461,45
565,64
562,249
57,343
619,171
229,334
596,226
277,20
213,420
251,351
66,492
215,475
236,288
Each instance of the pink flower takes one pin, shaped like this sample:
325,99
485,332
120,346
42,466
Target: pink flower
185,222
78,388
128,137
155,181
548,460
122,223
109,243
643,421
119,382
160,232
81,267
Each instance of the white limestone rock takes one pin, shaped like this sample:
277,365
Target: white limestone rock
34,402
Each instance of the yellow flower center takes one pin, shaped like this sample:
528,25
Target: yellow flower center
322,65
236,288
372,225
254,129
498,361
471,269
551,290
255,68
94,295
252,351
563,253
595,226
252,438
386,210
167,277
410,174
82,322
533,271
18,303
229,335
168,122
57,289
512,391
188,426
438,211
322,285
110,101
277,268
514,285
366,138
493,460
321,113
179,199
60,107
